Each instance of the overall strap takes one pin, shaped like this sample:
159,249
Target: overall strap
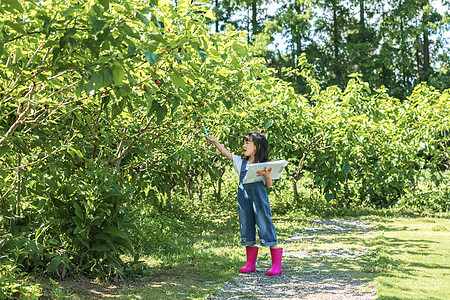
243,170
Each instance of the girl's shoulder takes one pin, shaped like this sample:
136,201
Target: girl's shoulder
237,163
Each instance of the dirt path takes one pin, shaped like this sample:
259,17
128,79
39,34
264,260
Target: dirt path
327,260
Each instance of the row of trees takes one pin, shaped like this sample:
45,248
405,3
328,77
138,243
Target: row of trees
396,44
90,93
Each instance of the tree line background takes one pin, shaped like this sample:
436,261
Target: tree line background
396,44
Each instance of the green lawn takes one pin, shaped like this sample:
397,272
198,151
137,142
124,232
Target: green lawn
409,259
413,258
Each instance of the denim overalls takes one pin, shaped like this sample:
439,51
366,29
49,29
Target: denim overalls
254,209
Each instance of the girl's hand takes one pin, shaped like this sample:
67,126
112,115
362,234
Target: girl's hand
265,173
211,139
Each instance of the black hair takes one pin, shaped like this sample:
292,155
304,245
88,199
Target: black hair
261,144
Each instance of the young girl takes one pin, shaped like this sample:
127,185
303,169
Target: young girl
253,202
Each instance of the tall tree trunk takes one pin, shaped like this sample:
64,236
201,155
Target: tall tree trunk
402,53
361,13
248,26
188,184
426,43
417,55
298,36
217,15
254,20
298,40
336,65
218,191
335,31
295,189
426,51
362,38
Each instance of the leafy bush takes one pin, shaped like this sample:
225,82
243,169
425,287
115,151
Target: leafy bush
432,201
13,285
76,227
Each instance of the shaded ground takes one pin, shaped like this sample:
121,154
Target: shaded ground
327,260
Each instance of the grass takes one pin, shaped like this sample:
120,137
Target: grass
408,257
199,261
413,258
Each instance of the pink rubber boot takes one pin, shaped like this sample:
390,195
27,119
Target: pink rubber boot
277,254
252,254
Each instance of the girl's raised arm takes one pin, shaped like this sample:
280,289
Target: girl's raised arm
221,148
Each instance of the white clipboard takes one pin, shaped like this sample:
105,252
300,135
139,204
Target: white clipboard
277,168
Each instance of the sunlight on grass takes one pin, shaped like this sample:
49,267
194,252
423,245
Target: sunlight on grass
414,258
404,258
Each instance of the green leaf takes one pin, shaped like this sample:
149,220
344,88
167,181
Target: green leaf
174,107
210,15
240,50
41,203
142,17
79,89
73,151
183,6
100,248
227,103
104,3
88,5
202,54
124,243
267,124
56,202
17,27
159,110
118,72
117,108
329,196
178,80
161,113
223,72
346,168
105,101
4,149
82,240
93,45
78,211
54,263
157,37
240,76
152,58
116,232
12,6
7,244
102,236
101,79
